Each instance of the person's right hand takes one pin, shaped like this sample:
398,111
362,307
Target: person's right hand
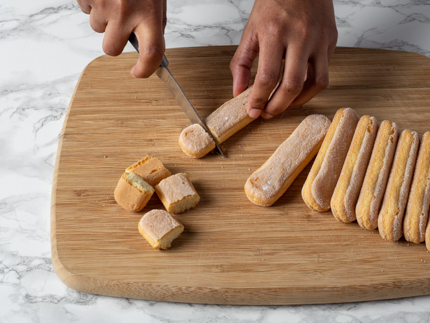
119,18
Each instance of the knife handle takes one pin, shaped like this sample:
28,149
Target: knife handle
133,40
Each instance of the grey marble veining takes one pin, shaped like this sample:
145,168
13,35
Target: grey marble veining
44,45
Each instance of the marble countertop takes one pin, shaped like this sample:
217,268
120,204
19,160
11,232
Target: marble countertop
44,46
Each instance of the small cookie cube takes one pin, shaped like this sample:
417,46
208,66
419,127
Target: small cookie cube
151,169
159,228
132,192
177,193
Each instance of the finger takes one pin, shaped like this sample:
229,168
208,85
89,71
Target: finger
296,61
85,7
151,47
164,21
97,23
318,79
241,63
269,67
116,38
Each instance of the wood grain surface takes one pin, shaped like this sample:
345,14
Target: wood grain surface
232,251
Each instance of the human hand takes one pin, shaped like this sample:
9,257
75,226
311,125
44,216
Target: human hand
301,31
119,18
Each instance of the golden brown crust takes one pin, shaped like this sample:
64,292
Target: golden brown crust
151,169
321,181
390,219
375,180
268,183
417,210
129,196
351,178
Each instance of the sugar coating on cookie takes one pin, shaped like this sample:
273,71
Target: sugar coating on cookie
351,178
230,117
321,181
268,183
177,193
417,209
195,141
150,169
375,180
132,192
390,219
159,228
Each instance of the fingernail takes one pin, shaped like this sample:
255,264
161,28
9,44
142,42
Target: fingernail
254,113
266,115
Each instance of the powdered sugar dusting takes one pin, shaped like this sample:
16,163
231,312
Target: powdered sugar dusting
195,138
176,187
267,181
229,114
325,182
157,223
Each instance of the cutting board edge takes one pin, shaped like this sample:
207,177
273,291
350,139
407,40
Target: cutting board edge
239,296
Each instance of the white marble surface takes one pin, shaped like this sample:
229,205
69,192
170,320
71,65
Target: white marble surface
44,45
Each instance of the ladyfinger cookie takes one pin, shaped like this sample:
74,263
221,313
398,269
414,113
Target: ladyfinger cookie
321,181
267,184
132,192
351,178
390,219
195,141
376,177
151,169
159,228
222,123
417,209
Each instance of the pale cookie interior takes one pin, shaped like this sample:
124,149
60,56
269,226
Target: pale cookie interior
138,182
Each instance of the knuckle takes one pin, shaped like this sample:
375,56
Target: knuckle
267,79
322,81
257,102
293,85
153,52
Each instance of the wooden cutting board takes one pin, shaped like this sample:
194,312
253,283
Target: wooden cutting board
232,251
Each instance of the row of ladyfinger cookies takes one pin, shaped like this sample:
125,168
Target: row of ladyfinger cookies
135,188
358,168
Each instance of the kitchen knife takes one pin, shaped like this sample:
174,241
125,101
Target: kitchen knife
164,73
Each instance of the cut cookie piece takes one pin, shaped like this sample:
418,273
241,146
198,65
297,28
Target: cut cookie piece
177,193
390,220
351,178
267,184
321,181
151,169
417,210
375,180
195,141
159,228
132,192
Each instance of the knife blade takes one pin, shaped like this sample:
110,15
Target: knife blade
164,74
